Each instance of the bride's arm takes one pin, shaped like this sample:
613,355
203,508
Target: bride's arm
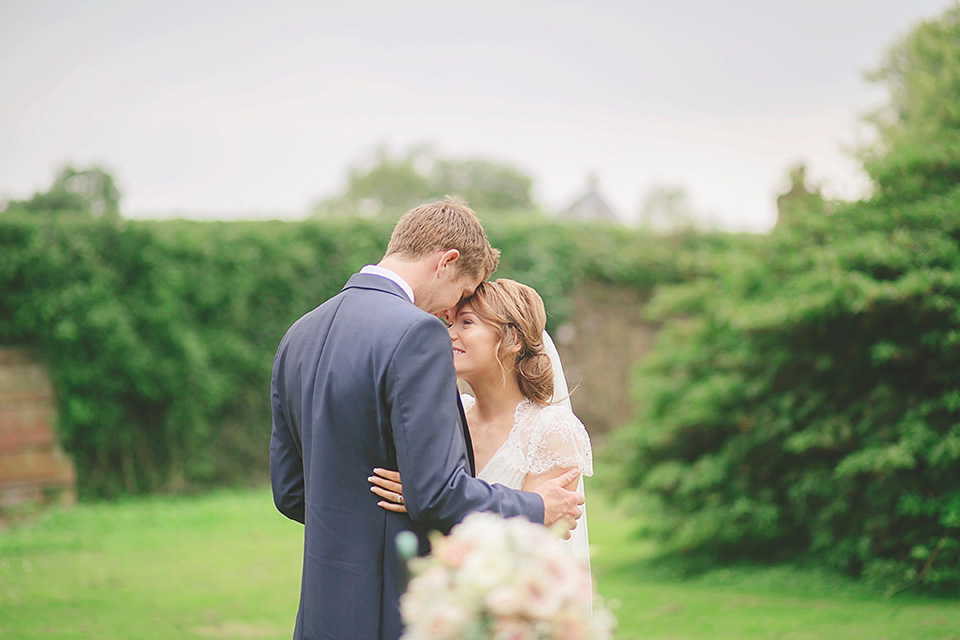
387,485
532,481
556,443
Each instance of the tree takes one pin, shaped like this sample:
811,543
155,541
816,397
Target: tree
917,152
801,398
800,201
487,185
390,185
90,192
666,208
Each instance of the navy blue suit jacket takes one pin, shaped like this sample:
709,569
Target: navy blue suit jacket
366,380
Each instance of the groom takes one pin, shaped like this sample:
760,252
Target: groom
366,380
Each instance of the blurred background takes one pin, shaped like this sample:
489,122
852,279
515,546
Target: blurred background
236,109
742,218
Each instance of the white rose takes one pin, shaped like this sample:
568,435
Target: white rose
481,571
447,621
537,596
422,595
503,602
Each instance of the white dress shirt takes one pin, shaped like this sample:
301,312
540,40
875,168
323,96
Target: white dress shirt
377,270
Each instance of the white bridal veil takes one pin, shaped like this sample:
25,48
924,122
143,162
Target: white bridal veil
561,397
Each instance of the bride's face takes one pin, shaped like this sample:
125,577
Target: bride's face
474,344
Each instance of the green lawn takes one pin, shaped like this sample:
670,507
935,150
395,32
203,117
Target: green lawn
746,603
226,565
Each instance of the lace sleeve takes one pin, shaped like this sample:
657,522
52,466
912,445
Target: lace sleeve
555,438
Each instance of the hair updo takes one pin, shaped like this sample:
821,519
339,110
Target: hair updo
516,312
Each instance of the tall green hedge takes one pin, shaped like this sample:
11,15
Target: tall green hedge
804,399
160,335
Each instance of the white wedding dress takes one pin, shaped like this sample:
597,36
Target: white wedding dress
543,438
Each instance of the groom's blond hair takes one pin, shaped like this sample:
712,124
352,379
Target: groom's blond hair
442,225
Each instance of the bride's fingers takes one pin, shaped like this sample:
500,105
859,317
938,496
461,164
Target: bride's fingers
389,506
392,501
389,485
392,496
388,474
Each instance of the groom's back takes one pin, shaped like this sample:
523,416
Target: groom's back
330,379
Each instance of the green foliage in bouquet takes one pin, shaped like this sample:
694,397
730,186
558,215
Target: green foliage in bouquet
803,398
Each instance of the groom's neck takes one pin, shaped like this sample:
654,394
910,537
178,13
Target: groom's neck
412,271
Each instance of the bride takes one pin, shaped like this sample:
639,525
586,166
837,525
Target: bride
521,424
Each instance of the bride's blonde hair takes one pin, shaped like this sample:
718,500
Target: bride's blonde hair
516,313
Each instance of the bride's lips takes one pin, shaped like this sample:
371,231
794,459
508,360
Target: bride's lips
456,351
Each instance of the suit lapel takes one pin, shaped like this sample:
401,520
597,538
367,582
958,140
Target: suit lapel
466,437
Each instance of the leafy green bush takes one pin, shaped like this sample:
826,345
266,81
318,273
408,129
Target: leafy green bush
159,336
804,398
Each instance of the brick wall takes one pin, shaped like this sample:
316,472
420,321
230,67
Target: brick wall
33,467
600,347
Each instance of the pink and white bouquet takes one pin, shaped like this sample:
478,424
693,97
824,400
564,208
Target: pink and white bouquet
501,579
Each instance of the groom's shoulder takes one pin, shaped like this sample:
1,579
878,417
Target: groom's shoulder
403,317
385,312
384,304
365,315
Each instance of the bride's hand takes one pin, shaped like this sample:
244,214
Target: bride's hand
386,484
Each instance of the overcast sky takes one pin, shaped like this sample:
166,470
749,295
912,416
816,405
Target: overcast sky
237,108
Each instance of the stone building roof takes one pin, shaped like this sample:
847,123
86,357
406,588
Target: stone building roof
590,207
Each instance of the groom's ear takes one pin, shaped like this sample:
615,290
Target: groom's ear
447,260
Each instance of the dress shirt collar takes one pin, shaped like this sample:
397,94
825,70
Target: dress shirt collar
377,270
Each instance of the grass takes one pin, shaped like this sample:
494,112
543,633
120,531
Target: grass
660,601
226,565
223,565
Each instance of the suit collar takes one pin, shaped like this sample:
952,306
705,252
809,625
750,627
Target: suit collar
377,270
375,283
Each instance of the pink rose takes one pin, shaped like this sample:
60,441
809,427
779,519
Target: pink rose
570,627
512,629
503,602
451,552
539,597
446,621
